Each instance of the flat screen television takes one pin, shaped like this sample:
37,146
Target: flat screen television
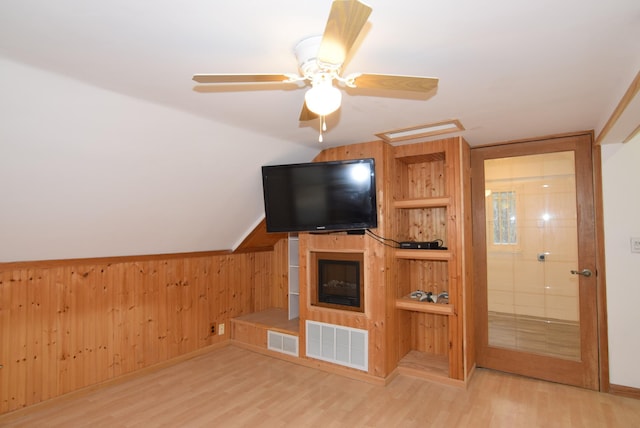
319,196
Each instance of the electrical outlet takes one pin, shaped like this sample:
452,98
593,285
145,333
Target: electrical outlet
221,329
635,245
213,328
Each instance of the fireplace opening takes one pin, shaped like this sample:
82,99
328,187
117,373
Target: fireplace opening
339,282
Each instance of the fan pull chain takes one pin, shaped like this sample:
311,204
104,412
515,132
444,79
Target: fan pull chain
323,127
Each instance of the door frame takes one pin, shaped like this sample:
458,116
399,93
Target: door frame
547,368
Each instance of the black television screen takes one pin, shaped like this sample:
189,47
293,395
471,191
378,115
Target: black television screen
337,195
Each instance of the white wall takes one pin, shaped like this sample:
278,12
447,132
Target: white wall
86,172
621,189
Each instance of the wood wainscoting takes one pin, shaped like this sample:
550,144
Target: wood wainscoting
66,325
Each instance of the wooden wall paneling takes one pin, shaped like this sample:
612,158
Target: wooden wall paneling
234,299
86,317
5,337
136,294
176,307
125,303
44,388
430,333
261,290
173,309
149,319
9,327
65,303
467,263
191,316
403,281
220,295
102,299
85,339
188,314
405,333
19,345
204,305
242,295
34,339
162,304
379,301
66,325
426,180
279,277
425,275
425,224
455,228
201,296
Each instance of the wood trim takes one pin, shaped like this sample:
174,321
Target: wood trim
107,260
540,138
423,203
625,391
631,92
260,240
423,254
601,277
632,135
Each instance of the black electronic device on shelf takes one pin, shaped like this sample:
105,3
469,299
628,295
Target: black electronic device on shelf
424,245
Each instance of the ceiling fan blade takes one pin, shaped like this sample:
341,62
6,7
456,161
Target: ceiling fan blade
307,114
346,20
240,78
395,82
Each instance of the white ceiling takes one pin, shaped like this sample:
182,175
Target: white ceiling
508,70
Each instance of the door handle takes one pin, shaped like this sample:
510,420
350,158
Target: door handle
583,272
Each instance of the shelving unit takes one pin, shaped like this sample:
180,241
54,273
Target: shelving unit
423,254
427,307
428,202
425,195
294,277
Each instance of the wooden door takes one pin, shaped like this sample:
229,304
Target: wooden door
535,259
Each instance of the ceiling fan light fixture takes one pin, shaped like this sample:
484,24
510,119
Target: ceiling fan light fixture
323,98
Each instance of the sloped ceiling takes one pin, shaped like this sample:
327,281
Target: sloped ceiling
107,148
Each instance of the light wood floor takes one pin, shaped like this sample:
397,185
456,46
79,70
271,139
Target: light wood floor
233,387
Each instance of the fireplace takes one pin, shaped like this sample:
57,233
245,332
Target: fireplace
338,282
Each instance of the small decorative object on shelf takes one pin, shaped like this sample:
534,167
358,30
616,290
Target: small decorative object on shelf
428,296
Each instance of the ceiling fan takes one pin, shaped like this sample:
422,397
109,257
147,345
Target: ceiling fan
320,59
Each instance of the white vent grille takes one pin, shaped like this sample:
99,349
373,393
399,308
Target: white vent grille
337,344
280,342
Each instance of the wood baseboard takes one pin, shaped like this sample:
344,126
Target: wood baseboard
625,391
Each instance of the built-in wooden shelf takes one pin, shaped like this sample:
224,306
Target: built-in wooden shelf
423,202
423,254
409,304
427,366
272,319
